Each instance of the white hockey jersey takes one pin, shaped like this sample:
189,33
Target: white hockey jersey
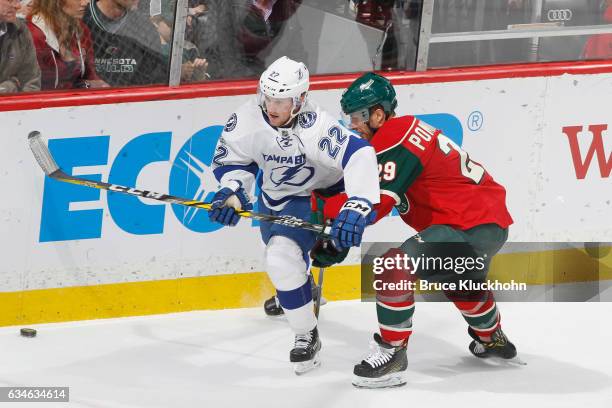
316,153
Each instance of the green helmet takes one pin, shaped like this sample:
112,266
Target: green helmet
368,90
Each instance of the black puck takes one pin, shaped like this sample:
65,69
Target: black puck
28,332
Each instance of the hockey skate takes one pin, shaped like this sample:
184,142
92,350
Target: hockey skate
385,366
273,308
499,348
305,353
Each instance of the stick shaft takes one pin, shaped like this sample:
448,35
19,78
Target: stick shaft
320,290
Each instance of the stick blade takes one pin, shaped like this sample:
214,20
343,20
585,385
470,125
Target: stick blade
41,152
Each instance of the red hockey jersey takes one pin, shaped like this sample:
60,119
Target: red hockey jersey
431,180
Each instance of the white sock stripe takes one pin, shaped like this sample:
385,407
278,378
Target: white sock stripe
479,304
395,329
491,324
468,314
396,308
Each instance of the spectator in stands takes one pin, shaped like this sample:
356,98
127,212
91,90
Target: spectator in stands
197,7
63,45
260,23
193,67
599,46
196,10
214,32
400,23
19,70
378,14
25,9
127,46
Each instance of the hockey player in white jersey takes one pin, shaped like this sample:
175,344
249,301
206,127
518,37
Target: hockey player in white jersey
299,148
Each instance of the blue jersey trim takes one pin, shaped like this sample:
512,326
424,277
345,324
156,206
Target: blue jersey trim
221,171
275,203
355,143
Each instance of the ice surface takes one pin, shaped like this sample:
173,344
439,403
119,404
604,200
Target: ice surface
239,358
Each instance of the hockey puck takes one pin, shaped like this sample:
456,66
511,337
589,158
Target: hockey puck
28,332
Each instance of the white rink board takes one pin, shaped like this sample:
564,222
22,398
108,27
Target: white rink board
520,142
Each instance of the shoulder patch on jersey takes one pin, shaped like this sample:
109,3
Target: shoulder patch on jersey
404,206
231,123
307,119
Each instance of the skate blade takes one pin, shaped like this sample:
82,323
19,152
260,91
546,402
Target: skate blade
386,381
305,366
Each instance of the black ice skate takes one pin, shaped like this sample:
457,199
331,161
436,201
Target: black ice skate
498,348
384,367
273,308
305,353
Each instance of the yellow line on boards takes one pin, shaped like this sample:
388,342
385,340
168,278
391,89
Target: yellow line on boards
251,289
155,297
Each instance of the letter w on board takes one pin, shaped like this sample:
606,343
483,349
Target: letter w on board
596,148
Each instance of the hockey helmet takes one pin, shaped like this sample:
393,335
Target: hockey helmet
283,79
367,91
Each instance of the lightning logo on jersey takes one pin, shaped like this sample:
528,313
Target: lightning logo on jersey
291,176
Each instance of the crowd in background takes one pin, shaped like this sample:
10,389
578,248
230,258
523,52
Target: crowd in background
67,44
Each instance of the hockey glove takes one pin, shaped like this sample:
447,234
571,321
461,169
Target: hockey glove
348,228
225,203
324,254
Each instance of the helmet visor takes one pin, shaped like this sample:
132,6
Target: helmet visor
356,119
276,104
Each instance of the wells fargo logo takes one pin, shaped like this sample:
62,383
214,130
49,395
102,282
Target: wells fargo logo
582,161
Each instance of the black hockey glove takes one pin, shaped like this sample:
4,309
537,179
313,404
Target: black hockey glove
325,254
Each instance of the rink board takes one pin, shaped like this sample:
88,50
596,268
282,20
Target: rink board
572,268
74,253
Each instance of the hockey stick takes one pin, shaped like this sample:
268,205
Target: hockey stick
49,166
320,290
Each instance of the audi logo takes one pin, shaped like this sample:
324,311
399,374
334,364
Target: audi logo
560,15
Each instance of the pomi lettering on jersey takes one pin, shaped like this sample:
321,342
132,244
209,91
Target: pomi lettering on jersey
420,135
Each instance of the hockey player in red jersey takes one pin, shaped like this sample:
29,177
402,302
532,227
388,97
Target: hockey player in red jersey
447,198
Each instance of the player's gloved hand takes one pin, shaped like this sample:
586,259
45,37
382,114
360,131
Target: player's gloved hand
348,228
325,254
225,203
